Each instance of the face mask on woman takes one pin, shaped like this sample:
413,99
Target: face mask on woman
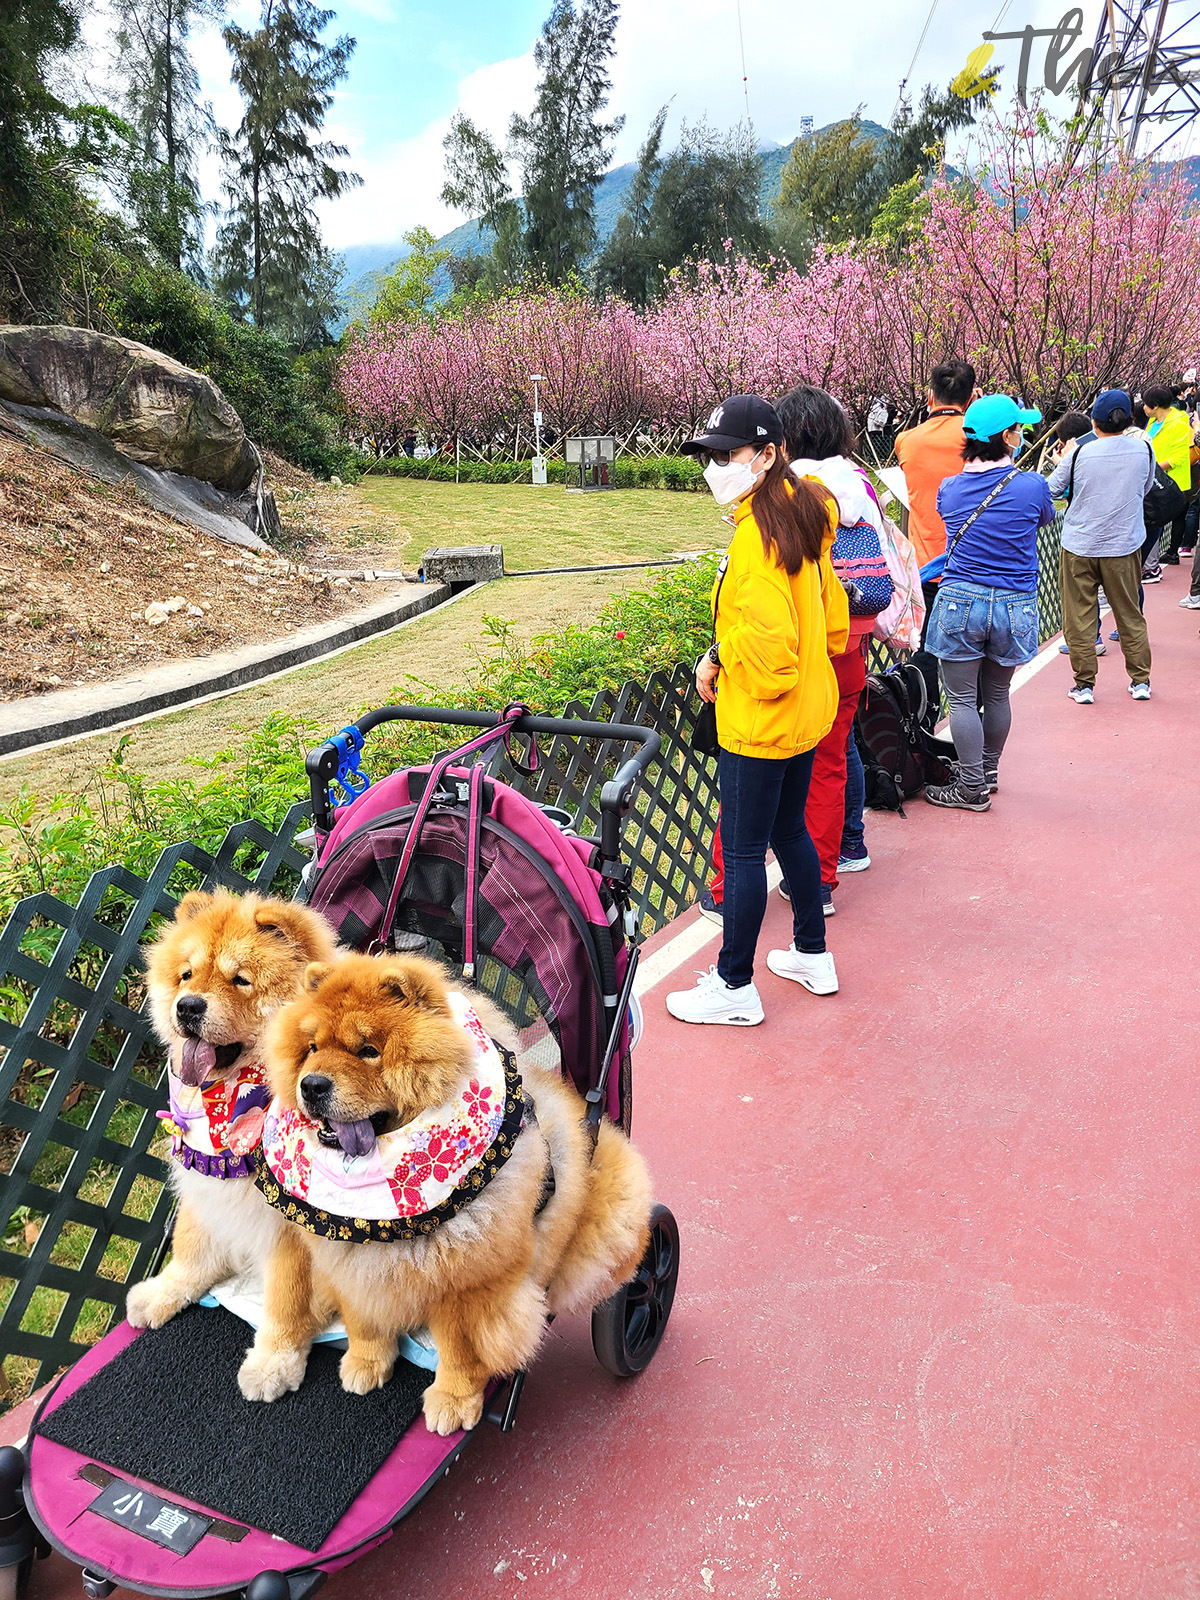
731,482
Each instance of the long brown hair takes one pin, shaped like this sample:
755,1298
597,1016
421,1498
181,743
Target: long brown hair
792,515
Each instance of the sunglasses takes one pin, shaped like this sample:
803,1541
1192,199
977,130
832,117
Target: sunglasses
719,458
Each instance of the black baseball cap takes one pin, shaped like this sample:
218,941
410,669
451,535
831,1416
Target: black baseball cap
742,419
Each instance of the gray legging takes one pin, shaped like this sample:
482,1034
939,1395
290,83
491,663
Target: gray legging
978,740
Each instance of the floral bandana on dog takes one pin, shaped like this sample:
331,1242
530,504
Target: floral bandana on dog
217,1127
412,1179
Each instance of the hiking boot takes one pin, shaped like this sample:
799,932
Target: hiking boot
1082,694
1191,602
711,908
856,861
816,972
712,1000
958,796
1140,691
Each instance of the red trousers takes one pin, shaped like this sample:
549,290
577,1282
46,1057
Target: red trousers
825,813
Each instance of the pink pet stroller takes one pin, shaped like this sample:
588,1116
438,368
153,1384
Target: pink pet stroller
144,1464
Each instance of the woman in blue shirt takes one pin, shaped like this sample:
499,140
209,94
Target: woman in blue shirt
985,619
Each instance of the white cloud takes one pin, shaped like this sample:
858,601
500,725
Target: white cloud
402,181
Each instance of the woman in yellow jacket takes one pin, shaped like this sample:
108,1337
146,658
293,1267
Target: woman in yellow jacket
779,612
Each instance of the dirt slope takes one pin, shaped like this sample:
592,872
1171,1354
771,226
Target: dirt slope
80,562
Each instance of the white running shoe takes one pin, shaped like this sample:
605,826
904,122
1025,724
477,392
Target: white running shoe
853,864
816,972
1191,602
1140,691
712,1000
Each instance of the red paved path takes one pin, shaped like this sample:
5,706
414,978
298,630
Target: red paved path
937,1331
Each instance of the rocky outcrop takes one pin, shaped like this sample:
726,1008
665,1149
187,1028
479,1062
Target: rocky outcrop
155,410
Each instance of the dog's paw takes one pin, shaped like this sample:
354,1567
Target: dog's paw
447,1413
150,1304
361,1374
265,1375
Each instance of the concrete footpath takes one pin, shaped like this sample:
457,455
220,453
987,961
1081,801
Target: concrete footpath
938,1326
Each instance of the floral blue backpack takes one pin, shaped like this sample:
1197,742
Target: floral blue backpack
860,563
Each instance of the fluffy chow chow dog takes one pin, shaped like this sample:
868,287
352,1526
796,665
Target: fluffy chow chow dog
216,975
431,1181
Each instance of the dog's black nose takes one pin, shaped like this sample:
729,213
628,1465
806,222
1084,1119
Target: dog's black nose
316,1089
189,1009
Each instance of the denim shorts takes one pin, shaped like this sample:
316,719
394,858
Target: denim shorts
971,620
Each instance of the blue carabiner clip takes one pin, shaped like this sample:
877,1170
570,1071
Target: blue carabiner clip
350,779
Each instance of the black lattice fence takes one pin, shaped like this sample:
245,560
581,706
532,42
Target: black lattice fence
83,1179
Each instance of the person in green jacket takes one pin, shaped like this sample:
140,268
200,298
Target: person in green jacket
1170,436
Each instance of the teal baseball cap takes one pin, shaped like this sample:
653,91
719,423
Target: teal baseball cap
995,413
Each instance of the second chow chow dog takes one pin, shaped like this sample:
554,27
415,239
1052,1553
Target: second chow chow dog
430,1184
216,975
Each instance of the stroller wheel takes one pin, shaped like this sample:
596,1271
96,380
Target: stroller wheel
628,1326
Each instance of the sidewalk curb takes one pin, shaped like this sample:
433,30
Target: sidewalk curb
73,713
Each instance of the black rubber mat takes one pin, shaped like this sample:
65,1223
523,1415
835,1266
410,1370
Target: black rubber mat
168,1409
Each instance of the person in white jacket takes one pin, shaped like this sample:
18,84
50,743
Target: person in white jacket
819,440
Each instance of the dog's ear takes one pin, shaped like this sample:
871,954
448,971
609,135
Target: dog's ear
192,904
416,983
297,925
315,974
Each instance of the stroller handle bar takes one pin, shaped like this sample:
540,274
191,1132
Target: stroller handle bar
616,796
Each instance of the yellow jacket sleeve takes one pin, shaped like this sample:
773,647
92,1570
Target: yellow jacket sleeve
837,608
759,652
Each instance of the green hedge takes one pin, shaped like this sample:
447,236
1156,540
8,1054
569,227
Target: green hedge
630,472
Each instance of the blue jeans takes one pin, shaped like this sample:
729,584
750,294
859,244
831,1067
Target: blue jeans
762,804
971,620
853,839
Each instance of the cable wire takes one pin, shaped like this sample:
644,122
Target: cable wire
742,47
913,62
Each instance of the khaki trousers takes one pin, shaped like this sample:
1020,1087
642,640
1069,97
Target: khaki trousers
1080,579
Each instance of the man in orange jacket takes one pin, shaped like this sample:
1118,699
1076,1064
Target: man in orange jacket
929,454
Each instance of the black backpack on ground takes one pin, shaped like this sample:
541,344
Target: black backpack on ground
899,755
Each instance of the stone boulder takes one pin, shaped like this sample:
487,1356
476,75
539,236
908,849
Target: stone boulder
155,410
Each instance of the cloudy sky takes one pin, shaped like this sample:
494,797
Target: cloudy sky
417,60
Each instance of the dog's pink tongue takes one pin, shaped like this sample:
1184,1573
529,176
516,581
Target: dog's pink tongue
355,1138
197,1062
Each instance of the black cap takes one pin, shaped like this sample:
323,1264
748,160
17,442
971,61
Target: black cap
742,419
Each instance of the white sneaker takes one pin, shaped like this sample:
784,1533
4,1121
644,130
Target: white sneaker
1191,602
816,972
712,1000
1140,691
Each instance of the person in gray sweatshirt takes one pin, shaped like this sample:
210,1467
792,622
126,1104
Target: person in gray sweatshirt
1107,479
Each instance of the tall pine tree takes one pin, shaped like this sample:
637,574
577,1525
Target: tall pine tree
269,259
161,101
563,146
628,264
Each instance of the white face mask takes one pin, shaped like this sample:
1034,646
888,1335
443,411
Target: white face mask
731,482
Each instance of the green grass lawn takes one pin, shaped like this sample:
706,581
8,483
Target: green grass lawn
542,527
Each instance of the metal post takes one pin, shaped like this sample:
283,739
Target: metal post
539,466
